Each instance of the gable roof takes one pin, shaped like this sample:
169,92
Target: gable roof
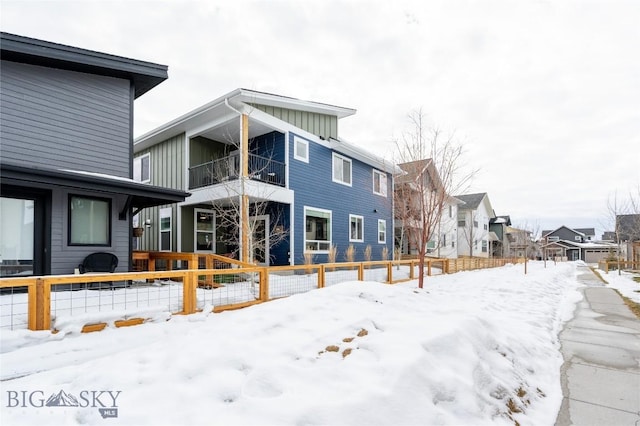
586,231
471,201
144,75
575,231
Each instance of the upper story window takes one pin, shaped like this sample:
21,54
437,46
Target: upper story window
356,228
165,228
553,238
300,149
142,168
486,227
577,238
450,211
341,169
89,221
379,183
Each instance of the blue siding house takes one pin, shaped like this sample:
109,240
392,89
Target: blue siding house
270,181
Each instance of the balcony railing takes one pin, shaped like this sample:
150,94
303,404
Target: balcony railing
228,168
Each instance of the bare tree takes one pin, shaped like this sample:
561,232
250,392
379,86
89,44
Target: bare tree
242,189
625,217
433,169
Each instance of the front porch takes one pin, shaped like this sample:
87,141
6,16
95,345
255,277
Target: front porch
261,169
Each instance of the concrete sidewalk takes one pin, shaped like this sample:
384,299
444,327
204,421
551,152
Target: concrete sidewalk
601,349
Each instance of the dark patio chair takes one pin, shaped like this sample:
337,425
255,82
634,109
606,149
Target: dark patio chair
100,262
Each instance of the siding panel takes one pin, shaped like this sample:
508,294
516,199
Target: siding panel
65,119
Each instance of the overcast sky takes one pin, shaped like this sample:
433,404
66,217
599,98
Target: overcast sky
544,95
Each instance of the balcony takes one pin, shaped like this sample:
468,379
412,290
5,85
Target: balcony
228,168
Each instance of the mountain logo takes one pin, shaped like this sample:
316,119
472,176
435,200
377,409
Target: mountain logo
62,399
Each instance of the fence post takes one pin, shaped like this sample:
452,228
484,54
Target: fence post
412,274
389,272
360,272
429,267
321,277
264,285
39,305
189,299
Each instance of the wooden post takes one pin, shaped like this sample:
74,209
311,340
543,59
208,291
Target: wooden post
361,272
321,276
40,306
244,199
264,285
389,272
429,267
412,274
189,299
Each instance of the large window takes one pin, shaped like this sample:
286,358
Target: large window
300,149
379,183
89,221
356,228
341,169
142,168
382,231
205,230
165,229
17,224
317,229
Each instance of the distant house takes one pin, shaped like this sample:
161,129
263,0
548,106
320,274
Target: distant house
575,244
419,195
499,225
270,179
474,214
66,125
521,243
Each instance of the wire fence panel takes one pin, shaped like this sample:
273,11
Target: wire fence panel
377,273
297,281
337,275
228,288
14,308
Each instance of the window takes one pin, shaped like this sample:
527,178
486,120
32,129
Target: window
379,183
165,229
450,211
577,238
462,220
204,229
89,221
443,243
356,228
341,169
142,168
475,223
486,227
300,149
382,231
484,246
317,229
553,238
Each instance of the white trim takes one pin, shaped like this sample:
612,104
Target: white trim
330,240
138,160
162,213
335,155
296,155
286,156
355,240
378,231
292,239
383,178
195,230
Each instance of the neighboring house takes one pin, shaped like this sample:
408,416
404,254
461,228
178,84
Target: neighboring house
420,199
280,164
520,243
499,226
575,244
474,236
66,153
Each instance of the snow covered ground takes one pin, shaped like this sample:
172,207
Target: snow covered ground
477,347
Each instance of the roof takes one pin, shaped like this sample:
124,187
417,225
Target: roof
586,231
501,220
144,75
141,195
471,201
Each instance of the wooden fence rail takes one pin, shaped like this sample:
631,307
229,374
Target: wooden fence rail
606,265
228,285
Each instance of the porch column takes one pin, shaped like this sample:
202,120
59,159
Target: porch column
244,199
